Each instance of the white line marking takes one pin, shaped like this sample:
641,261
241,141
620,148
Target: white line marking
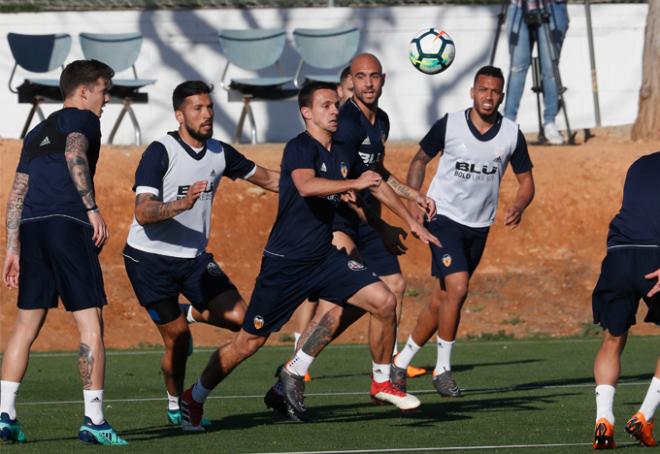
341,394
467,344
443,448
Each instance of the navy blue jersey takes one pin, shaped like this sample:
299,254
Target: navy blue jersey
638,221
356,134
303,227
51,190
434,141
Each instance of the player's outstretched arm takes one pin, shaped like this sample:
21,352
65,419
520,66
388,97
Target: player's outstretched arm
415,179
309,185
266,178
10,269
149,209
656,288
387,196
75,153
427,204
524,196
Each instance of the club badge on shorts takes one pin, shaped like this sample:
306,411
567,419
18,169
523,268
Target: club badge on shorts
213,269
446,260
258,322
354,265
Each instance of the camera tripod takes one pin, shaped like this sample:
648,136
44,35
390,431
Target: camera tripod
538,21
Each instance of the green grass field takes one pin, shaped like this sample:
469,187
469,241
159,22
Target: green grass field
520,396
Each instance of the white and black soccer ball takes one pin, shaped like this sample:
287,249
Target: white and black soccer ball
431,51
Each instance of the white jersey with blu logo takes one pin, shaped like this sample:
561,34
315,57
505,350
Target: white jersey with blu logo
167,169
466,184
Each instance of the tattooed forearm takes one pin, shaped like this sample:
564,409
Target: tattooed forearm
76,159
14,211
401,189
148,209
85,365
321,335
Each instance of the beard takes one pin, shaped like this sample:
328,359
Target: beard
198,135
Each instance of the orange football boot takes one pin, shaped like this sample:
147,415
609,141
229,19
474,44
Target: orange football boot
604,435
641,429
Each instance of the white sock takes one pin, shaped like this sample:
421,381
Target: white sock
296,338
443,363
406,355
172,402
199,393
652,399
94,405
8,392
396,346
381,372
605,402
300,363
189,315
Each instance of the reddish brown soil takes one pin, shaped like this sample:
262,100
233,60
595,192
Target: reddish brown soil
535,280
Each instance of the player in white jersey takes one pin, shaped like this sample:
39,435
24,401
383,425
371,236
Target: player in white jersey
165,253
475,146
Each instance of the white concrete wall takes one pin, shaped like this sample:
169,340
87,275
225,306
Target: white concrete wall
183,45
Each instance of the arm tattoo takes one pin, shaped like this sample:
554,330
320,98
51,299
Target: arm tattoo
76,159
85,365
321,335
14,211
400,189
152,210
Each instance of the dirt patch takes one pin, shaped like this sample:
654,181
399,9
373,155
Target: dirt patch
535,280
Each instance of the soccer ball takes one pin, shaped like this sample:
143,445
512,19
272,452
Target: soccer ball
431,51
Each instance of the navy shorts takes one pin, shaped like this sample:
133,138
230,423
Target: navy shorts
462,247
283,284
59,258
159,278
622,284
370,246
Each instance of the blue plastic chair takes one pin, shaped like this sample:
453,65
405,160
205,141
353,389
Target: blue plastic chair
119,51
38,54
325,48
253,50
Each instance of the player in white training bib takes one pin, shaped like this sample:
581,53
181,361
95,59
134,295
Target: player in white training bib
165,254
475,146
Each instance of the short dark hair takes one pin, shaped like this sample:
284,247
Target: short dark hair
306,95
83,72
490,71
189,88
345,73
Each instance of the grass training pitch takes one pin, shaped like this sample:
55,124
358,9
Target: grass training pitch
520,395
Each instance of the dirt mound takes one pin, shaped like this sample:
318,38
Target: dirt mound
535,280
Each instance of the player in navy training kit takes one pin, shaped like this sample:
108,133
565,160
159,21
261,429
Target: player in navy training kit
299,260
55,232
630,272
363,128
165,254
475,146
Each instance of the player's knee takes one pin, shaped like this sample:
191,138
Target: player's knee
457,292
248,346
397,285
385,304
234,318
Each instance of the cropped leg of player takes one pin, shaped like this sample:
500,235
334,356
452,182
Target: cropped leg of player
91,365
381,304
221,363
447,306
226,310
607,368
14,364
640,425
